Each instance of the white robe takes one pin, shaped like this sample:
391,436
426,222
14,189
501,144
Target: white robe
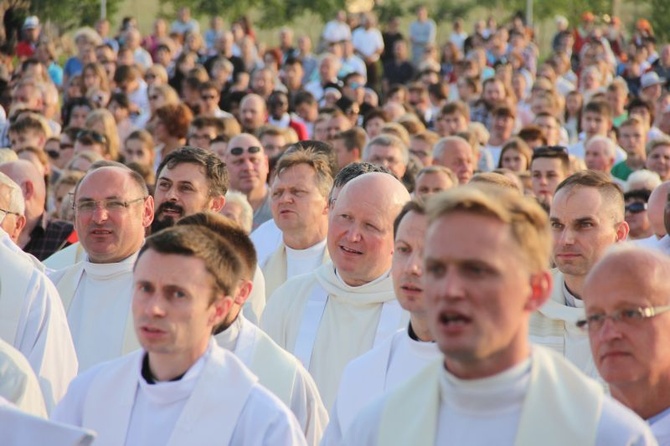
18,383
225,407
374,374
276,268
73,254
661,428
558,406
266,238
97,298
554,326
23,429
280,372
326,323
33,321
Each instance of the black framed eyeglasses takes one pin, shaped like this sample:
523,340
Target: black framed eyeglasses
636,208
595,322
240,150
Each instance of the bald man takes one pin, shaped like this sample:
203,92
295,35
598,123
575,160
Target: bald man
627,299
253,112
307,315
455,153
41,236
248,167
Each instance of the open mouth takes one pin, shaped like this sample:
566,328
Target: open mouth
350,250
452,319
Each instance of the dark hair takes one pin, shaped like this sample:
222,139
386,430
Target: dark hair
215,169
410,206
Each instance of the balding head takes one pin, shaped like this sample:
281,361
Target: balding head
360,235
25,174
253,112
456,154
12,207
631,352
656,208
247,164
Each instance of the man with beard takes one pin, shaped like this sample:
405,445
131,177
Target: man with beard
112,209
587,217
191,180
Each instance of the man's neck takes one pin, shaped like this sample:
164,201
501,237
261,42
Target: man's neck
165,367
645,399
575,285
419,325
304,239
31,223
636,162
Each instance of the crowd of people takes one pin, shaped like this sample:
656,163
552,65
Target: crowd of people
376,239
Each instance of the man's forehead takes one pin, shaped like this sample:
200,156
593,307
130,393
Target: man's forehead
188,172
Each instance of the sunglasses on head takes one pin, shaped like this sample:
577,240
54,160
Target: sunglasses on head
544,150
636,208
240,150
95,136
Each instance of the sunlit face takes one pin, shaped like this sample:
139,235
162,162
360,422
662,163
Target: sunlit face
360,238
297,204
597,157
407,265
583,227
26,138
422,150
135,151
632,139
181,190
248,171
172,311
658,160
595,124
390,157
373,127
629,353
637,217
478,293
459,158
451,123
546,174
429,184
513,160
111,233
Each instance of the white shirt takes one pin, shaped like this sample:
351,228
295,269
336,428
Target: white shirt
266,238
301,261
335,31
368,42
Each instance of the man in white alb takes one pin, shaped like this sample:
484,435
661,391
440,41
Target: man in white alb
279,371
587,217
485,259
408,351
32,320
627,304
18,383
342,309
180,388
300,208
112,209
189,180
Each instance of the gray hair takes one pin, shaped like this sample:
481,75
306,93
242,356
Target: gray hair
247,214
642,179
609,144
439,147
16,201
387,140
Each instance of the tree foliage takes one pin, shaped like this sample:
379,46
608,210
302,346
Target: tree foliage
69,14
660,19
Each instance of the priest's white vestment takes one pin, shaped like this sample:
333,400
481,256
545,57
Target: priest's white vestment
224,406
326,323
549,402
18,383
280,372
33,321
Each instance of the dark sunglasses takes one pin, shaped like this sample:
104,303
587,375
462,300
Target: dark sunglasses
240,150
53,154
636,208
207,97
95,136
550,149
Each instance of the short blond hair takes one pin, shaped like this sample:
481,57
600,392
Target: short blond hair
316,160
527,221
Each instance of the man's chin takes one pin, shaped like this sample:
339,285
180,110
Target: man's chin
161,223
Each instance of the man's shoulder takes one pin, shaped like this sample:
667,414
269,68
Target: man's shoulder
621,426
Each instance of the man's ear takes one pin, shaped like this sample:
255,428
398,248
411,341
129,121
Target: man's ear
243,292
541,286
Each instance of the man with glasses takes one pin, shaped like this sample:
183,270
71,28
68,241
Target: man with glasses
485,263
248,166
112,210
209,101
627,299
587,217
41,236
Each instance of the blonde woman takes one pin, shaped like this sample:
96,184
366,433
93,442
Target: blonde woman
103,122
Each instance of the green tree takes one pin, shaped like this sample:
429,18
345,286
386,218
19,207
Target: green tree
68,14
660,19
